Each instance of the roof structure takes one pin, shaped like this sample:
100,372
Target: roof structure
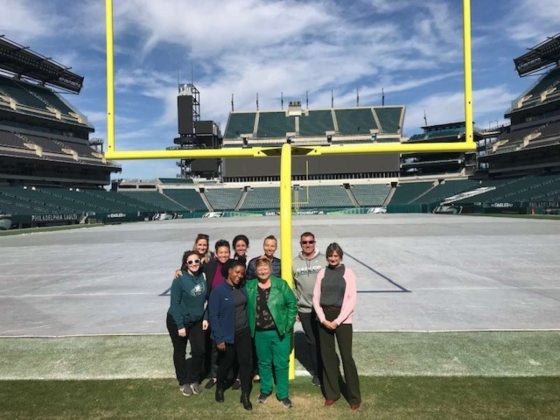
25,63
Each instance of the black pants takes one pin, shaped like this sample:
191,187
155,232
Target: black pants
195,336
331,372
311,330
211,359
242,351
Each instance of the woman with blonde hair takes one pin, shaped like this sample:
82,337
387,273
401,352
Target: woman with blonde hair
271,312
202,248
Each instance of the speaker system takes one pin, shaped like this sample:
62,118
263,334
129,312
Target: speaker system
185,114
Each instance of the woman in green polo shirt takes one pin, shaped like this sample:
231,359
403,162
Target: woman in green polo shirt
271,312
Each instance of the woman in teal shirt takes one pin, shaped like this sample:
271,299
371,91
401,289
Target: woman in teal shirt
187,320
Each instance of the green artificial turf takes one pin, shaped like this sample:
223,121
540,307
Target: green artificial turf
495,354
383,398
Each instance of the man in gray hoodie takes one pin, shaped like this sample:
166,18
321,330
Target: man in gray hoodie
306,265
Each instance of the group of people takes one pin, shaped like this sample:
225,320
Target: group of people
239,315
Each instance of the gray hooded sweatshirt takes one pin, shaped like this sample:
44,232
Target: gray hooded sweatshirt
305,274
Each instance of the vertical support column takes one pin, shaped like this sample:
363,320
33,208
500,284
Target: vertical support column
110,76
469,137
286,225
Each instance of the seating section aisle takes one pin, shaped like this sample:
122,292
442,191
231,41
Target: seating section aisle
223,198
447,189
156,201
187,197
370,195
530,188
408,192
275,124
355,121
317,123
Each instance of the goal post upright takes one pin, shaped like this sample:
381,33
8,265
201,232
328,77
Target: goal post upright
286,151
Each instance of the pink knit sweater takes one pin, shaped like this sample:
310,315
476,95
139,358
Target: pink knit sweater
348,303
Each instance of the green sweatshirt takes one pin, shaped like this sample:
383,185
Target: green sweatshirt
188,299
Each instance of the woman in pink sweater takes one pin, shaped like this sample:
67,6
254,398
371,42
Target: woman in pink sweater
334,299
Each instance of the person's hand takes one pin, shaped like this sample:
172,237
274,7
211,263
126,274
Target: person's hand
182,332
334,325
329,325
297,318
221,346
177,273
205,325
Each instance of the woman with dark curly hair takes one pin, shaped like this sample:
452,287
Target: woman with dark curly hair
230,331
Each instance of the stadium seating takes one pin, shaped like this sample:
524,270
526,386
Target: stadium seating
316,123
239,123
188,198
323,196
11,88
355,121
223,198
370,195
11,140
389,118
47,97
275,124
156,201
444,190
408,192
262,199
175,180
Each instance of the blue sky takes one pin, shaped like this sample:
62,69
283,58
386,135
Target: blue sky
412,49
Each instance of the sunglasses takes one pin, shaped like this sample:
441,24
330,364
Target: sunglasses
191,262
307,242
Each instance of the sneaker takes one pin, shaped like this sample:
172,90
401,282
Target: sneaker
195,388
211,382
315,381
328,403
263,397
355,406
286,402
186,390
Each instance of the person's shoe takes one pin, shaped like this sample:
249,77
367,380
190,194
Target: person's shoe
219,394
328,403
236,384
195,388
245,401
287,403
315,381
354,406
263,397
211,382
186,390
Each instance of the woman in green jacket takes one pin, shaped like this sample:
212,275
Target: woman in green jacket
271,312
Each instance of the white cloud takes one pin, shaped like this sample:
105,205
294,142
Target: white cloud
531,21
25,20
447,107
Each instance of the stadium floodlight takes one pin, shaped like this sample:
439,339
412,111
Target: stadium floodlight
113,153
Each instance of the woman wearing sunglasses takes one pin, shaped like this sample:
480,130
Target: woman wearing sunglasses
187,321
